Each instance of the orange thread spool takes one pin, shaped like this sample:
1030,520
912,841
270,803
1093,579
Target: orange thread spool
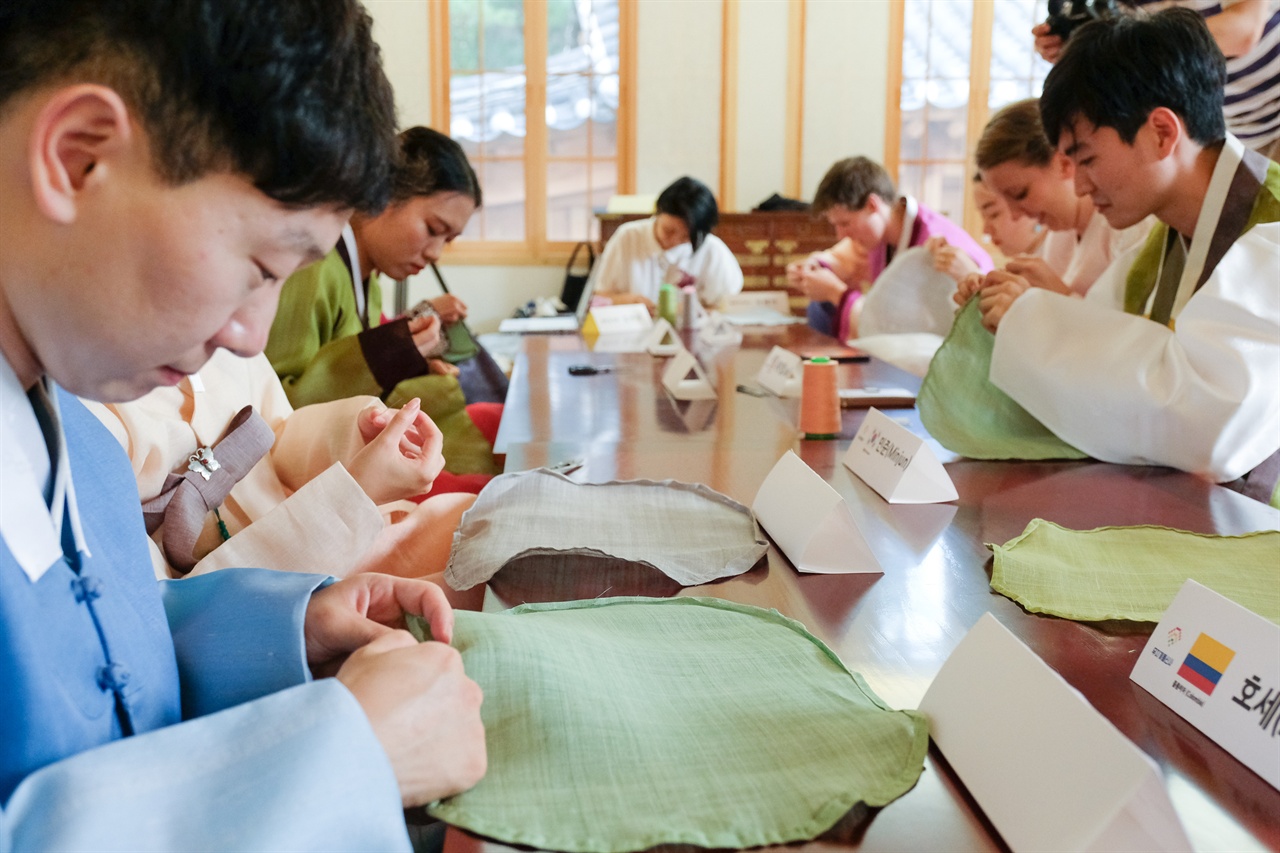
820,399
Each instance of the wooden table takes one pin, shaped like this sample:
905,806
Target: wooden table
896,629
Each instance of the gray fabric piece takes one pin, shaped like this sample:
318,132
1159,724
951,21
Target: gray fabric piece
909,297
684,530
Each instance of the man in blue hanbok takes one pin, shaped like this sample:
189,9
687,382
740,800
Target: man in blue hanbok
165,165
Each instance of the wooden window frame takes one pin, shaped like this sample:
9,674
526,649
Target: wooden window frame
536,249
978,112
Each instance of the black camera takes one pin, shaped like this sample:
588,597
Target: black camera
1066,15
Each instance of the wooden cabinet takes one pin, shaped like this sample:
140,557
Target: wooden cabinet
763,242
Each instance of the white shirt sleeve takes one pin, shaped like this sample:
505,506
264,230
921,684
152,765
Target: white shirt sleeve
1200,397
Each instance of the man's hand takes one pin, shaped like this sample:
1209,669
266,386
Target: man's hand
1048,46
821,284
424,711
968,286
426,335
949,260
1037,273
450,308
354,612
403,459
999,291
440,367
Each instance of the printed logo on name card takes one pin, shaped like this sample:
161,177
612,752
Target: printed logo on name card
1205,663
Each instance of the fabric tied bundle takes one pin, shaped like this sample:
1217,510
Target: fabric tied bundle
187,498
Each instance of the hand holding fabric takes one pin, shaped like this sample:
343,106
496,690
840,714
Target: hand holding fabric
423,709
967,287
949,260
999,291
426,334
403,459
1037,273
450,308
350,614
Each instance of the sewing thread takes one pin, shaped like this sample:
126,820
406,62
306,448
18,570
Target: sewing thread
820,399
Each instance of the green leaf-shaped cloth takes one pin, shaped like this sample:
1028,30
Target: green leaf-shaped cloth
1133,572
622,723
967,414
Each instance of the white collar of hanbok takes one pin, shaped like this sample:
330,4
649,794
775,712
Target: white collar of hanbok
32,531
353,254
910,210
1207,223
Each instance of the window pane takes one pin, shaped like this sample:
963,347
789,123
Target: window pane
464,35
947,130
1016,70
573,191
943,190
502,217
909,180
950,38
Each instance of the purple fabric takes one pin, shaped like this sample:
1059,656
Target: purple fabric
928,224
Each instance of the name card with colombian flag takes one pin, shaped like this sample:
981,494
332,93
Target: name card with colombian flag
1217,665
1049,771
897,463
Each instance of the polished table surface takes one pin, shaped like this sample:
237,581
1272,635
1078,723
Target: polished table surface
895,628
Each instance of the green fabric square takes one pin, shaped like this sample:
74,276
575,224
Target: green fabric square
1133,572
618,724
967,414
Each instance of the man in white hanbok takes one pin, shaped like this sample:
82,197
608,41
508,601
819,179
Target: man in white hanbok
1173,358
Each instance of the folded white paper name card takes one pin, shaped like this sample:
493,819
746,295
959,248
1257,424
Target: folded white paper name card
685,379
781,372
1049,771
617,320
662,339
717,331
810,522
749,300
1217,665
897,463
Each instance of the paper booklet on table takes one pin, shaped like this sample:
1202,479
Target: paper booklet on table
897,463
810,521
684,378
781,373
1048,770
630,318
662,339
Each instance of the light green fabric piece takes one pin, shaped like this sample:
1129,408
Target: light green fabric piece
1133,572
618,724
967,414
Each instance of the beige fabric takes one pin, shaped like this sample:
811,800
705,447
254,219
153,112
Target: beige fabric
1080,260
325,527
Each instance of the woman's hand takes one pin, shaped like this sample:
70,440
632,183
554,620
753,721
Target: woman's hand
403,459
450,308
949,260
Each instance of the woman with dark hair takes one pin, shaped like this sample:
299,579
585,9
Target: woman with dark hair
328,341
674,246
